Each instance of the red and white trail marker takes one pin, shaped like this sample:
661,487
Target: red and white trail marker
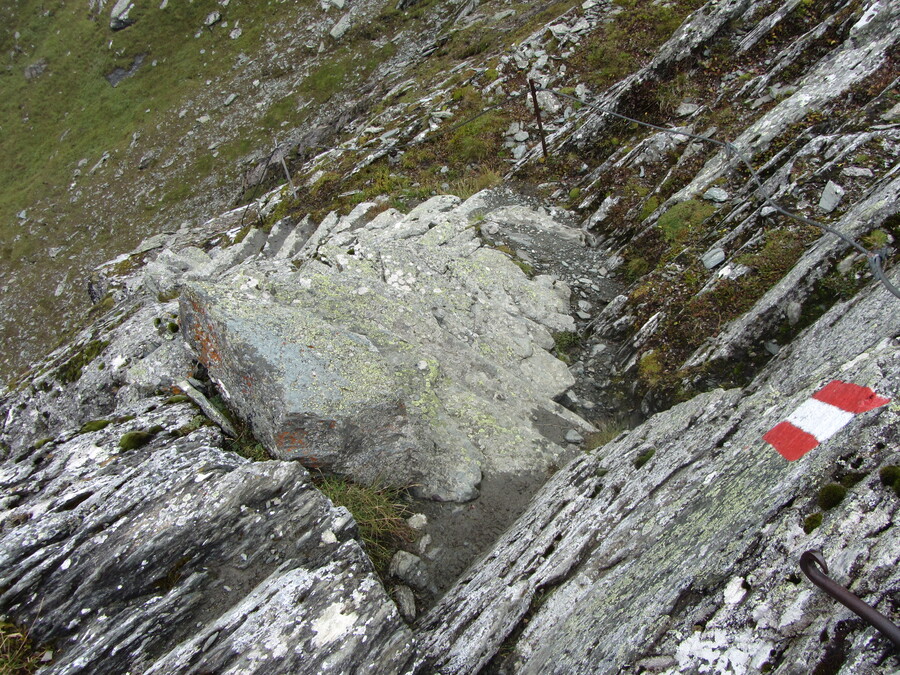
821,417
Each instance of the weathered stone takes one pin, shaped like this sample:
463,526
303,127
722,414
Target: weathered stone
716,194
857,172
686,109
35,70
614,562
831,197
410,569
713,258
340,27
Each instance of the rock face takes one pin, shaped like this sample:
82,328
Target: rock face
403,351
676,547
117,554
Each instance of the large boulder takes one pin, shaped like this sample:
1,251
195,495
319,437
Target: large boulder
402,351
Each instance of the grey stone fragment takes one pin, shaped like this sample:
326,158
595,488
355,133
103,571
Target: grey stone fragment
118,16
208,408
857,172
35,70
685,109
831,197
573,436
713,258
417,521
406,601
340,27
410,569
716,194
212,19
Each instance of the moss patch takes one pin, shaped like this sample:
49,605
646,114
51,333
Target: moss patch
70,371
94,425
812,521
644,458
678,222
135,439
831,495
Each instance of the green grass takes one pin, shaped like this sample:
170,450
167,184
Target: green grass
379,512
17,655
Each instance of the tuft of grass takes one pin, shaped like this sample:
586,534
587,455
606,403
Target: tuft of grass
606,431
379,512
564,343
17,655
644,458
831,495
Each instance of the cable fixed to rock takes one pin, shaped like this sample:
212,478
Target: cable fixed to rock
813,565
874,258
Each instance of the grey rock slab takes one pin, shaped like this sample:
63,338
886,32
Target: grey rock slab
686,109
410,569
117,555
325,360
831,197
857,172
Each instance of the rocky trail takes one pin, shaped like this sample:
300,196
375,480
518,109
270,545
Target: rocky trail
575,368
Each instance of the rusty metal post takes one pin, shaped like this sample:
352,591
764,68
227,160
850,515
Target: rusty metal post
537,113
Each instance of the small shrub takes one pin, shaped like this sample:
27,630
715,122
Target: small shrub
379,512
644,458
831,495
135,439
812,521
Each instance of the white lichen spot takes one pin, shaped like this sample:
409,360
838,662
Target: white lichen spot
118,362
328,537
67,563
332,625
734,591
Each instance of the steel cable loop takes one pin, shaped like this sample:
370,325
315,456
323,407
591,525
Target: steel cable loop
874,258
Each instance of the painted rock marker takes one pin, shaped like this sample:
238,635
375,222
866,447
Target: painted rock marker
816,420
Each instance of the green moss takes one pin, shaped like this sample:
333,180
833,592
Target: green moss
850,479
681,220
177,398
41,443
379,512
70,371
135,439
649,207
196,422
650,368
172,327
812,521
644,458
94,425
831,495
168,296
889,474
